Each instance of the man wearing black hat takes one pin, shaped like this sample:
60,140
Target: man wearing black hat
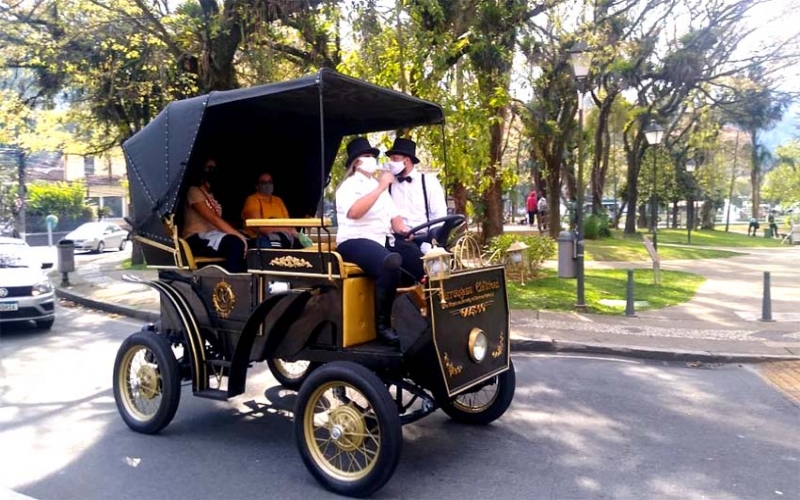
367,217
419,198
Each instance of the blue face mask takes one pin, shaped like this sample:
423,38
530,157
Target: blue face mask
266,187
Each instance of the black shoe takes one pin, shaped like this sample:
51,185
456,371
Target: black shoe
388,335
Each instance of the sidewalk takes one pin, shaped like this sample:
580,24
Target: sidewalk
720,324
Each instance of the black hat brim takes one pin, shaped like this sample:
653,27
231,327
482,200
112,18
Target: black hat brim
391,152
374,151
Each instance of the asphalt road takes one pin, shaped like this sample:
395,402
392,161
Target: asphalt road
579,428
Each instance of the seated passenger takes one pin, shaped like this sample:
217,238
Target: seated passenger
204,229
264,205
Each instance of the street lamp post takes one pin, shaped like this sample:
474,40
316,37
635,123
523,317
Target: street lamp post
581,60
654,133
690,166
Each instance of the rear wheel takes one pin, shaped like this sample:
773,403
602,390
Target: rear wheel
486,404
146,382
291,374
347,429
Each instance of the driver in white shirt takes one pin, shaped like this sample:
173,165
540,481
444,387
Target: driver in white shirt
367,216
419,198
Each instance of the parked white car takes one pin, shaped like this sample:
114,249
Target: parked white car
25,291
97,236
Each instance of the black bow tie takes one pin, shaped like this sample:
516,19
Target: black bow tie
404,179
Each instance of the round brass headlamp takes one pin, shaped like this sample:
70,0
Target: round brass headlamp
478,345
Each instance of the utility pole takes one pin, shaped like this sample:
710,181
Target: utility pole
21,193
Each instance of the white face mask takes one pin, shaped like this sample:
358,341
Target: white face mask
396,166
369,164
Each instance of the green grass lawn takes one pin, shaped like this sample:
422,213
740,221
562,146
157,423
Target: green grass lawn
552,293
128,265
717,238
621,247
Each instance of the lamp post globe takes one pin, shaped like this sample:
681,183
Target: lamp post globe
581,62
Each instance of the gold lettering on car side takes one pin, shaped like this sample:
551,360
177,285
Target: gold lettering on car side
224,299
289,261
466,312
452,370
499,349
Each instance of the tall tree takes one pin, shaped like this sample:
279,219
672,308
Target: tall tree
755,105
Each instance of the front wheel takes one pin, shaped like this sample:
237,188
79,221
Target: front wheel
291,374
100,247
146,382
487,403
347,429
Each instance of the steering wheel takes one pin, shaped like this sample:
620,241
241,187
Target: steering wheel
448,224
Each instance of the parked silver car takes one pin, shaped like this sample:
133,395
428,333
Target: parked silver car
25,292
97,236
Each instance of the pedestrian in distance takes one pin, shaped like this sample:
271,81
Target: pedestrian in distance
532,207
752,226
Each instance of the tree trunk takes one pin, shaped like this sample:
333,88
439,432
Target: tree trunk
675,214
755,172
600,159
553,215
493,196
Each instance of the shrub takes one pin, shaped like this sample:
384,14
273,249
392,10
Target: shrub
596,227
540,249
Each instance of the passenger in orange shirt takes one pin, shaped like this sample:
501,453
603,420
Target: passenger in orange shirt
264,205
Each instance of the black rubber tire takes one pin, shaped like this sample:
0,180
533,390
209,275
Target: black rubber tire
505,384
388,426
100,247
286,379
45,324
159,353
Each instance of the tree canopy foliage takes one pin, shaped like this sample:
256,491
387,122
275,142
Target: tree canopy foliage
98,71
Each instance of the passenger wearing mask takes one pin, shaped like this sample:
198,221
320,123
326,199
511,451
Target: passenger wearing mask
204,229
419,197
263,204
367,217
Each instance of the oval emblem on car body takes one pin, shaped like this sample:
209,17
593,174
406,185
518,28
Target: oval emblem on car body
3,292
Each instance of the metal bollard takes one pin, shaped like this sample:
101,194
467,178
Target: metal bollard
630,307
766,303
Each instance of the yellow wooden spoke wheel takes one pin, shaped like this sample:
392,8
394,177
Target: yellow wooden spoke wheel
146,382
348,428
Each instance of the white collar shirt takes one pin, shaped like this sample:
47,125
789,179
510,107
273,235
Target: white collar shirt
376,224
410,200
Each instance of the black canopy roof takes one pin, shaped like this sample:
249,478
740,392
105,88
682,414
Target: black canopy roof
281,128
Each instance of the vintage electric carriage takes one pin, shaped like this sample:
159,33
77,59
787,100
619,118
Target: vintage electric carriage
307,313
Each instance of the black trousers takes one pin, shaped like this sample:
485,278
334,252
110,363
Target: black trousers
369,256
231,249
412,260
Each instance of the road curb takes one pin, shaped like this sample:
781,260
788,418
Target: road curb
144,315
517,345
644,352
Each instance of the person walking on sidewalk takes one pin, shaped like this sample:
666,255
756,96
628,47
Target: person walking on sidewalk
532,207
542,209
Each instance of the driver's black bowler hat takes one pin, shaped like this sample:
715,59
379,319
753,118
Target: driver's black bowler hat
405,147
358,147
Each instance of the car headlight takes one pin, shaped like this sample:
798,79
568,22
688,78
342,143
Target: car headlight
478,345
42,288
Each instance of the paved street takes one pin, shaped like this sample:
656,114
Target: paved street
580,427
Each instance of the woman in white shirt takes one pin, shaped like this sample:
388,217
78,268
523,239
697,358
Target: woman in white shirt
367,217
